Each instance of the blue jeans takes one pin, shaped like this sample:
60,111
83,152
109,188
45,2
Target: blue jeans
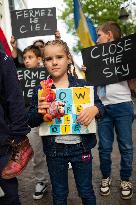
82,169
9,186
119,116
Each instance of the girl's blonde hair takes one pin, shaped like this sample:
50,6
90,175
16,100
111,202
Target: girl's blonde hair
71,67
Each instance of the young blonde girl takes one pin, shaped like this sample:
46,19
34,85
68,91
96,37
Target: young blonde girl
70,148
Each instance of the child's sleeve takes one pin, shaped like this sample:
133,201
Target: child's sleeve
34,118
98,103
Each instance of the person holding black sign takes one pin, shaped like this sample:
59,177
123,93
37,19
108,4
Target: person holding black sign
31,56
119,115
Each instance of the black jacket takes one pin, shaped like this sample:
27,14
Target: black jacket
12,108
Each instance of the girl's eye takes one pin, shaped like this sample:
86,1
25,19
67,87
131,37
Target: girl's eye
47,59
59,57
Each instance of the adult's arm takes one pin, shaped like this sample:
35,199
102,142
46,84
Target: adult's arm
13,98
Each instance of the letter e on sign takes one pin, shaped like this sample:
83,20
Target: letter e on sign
78,109
66,119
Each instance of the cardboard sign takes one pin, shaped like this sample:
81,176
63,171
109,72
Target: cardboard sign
33,22
75,99
111,62
30,78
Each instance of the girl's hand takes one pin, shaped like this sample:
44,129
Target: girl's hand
43,106
87,115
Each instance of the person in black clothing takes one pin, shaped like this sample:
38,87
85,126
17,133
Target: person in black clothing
13,126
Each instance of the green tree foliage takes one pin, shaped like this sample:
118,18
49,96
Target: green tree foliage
99,11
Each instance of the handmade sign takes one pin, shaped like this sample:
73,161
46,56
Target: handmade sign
30,78
111,62
33,22
75,100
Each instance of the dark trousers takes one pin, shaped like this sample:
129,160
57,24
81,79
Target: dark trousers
10,187
82,169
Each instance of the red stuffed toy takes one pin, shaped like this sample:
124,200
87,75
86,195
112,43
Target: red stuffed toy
56,109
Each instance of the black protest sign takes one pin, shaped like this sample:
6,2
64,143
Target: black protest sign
30,78
33,22
111,62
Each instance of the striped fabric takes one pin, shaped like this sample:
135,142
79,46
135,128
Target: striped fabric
84,26
4,44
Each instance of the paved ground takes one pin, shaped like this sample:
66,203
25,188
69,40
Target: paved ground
26,183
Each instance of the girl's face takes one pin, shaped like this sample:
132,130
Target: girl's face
56,60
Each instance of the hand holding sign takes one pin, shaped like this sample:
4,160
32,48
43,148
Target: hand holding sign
87,115
45,97
46,102
13,42
43,106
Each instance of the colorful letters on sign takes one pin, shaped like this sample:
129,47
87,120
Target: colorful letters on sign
76,99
